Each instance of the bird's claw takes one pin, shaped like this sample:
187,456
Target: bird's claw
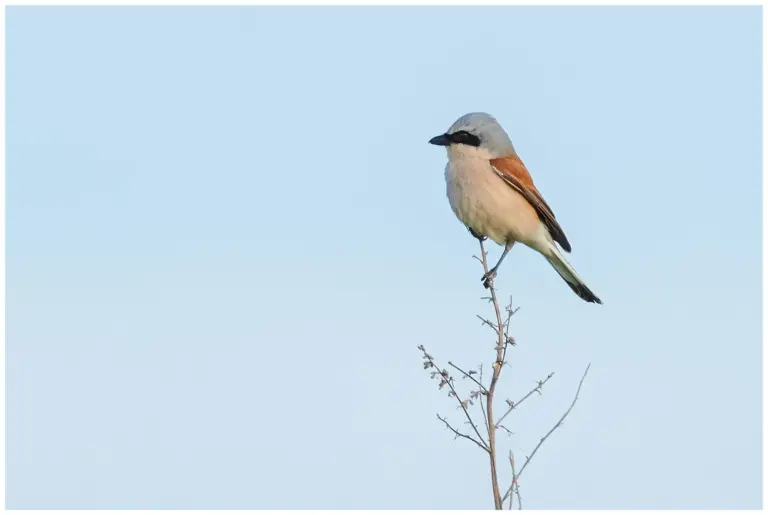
477,235
488,279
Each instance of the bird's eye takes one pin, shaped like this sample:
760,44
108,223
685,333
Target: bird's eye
465,138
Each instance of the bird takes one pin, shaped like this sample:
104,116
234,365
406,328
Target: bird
492,193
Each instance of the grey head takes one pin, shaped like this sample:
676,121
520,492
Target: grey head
477,130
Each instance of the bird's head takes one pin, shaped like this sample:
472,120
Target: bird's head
475,135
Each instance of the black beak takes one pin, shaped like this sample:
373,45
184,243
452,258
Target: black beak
443,140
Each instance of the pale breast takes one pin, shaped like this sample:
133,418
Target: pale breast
484,202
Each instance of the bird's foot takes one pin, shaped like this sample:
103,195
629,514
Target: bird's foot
488,278
477,235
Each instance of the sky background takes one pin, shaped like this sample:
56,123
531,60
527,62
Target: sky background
227,235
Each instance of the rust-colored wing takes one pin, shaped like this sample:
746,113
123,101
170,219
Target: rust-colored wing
514,173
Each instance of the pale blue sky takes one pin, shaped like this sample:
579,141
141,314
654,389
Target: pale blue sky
227,235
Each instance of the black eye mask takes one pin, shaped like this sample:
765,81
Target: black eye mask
466,138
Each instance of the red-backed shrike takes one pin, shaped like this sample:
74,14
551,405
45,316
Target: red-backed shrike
492,193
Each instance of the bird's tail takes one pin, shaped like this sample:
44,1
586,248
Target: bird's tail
567,272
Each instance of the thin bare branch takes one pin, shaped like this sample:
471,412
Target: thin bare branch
446,379
485,418
559,423
488,323
514,405
510,312
478,383
460,434
482,406
515,484
507,338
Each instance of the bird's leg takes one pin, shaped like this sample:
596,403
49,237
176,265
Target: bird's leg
491,275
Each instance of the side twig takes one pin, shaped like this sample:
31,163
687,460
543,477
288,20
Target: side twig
514,405
460,434
445,378
515,485
469,376
482,405
559,423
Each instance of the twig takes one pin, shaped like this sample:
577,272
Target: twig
488,323
510,312
514,405
500,348
515,484
482,407
559,423
507,338
478,383
448,380
458,433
